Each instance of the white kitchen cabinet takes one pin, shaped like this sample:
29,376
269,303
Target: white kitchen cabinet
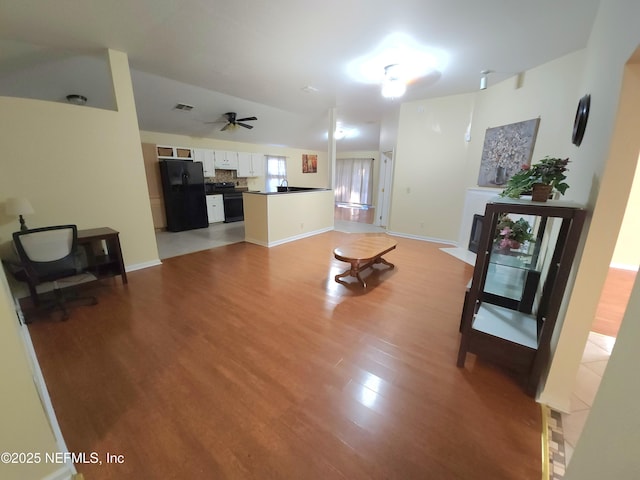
257,164
215,208
175,153
250,164
206,156
244,164
226,160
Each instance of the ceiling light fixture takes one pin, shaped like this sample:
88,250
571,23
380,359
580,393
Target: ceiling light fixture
393,85
77,99
483,79
417,60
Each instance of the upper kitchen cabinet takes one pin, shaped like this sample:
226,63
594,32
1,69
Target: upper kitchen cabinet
206,156
250,164
174,153
225,160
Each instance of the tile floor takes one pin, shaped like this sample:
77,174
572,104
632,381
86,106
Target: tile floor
173,244
564,429
594,361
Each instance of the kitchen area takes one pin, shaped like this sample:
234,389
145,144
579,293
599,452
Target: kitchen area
196,195
201,199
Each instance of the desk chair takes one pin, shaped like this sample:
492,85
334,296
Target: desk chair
49,254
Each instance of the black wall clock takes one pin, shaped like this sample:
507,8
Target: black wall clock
580,122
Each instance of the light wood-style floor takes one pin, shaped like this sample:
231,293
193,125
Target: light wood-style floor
245,362
613,301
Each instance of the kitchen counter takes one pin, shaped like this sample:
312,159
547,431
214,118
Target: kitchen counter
273,218
292,190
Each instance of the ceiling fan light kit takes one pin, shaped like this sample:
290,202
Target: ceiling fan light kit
233,122
393,86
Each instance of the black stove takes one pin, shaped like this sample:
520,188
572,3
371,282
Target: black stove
220,187
231,199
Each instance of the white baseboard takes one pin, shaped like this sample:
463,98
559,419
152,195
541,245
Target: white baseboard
140,266
288,239
68,469
465,255
423,239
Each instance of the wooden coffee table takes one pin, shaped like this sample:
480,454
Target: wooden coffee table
362,254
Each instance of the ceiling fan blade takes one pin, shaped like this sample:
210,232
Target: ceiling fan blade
246,119
225,127
244,125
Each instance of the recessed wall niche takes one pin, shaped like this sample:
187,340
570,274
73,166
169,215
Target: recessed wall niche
41,73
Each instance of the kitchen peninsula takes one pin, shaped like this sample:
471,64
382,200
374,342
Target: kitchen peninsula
273,218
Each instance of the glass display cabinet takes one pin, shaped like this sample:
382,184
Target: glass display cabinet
511,307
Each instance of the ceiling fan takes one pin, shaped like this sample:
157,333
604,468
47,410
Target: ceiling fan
232,121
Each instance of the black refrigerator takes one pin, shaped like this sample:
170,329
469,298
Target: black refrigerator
184,198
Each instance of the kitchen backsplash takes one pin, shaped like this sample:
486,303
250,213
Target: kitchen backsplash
227,176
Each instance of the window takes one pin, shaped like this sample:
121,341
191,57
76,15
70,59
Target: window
354,180
276,172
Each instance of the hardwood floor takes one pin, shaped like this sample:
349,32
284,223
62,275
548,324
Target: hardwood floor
246,362
613,301
354,214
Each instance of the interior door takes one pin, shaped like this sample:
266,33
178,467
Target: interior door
384,189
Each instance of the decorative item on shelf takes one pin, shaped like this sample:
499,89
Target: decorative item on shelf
548,172
512,234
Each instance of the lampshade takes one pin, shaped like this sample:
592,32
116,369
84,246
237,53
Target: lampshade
18,206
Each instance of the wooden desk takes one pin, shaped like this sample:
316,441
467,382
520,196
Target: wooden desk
362,254
101,262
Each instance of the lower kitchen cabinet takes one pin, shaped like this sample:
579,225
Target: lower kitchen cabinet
215,208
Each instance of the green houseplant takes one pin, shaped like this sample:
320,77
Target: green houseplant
548,171
512,233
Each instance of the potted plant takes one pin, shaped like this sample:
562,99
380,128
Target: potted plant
541,179
512,234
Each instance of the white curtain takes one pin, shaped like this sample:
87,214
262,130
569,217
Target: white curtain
276,172
354,180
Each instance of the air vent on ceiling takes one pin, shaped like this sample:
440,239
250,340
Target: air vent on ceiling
184,107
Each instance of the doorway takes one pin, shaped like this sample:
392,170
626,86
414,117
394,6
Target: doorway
354,190
622,272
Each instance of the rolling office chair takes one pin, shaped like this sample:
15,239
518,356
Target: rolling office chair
49,254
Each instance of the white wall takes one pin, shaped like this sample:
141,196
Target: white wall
25,427
627,254
430,168
609,153
76,165
79,165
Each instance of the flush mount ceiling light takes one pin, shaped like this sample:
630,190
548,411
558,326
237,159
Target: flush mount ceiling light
77,99
400,49
393,85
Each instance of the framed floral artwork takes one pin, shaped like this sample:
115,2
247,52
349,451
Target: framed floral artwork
506,149
309,163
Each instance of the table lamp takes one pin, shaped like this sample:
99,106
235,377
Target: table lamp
20,207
